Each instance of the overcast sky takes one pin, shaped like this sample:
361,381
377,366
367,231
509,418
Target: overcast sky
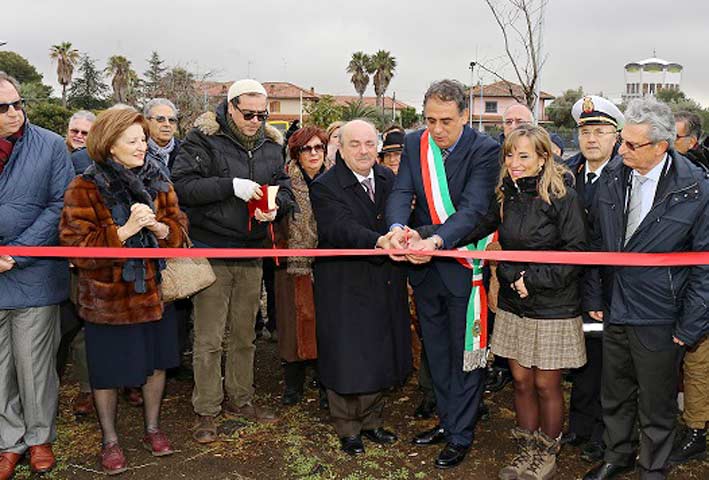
309,42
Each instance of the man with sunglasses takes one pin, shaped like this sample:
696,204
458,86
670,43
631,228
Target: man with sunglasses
34,172
79,126
649,199
598,121
161,115
221,166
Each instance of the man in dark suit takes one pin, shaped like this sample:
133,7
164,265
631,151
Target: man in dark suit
442,287
598,121
650,199
364,342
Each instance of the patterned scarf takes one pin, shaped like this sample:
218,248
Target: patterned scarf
302,230
120,188
161,153
7,144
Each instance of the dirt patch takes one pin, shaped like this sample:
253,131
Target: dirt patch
302,445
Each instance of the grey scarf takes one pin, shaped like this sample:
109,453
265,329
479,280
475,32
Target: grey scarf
161,153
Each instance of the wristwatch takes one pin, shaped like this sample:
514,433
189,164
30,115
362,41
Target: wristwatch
437,241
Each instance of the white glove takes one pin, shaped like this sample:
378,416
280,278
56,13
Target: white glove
265,216
245,188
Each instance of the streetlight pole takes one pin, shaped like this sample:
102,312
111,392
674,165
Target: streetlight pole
472,82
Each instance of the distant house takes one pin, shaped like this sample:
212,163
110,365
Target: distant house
285,99
496,97
649,76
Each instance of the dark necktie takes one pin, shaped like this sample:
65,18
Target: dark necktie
445,153
590,177
367,184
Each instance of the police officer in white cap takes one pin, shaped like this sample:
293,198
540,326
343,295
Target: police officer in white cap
598,121
221,167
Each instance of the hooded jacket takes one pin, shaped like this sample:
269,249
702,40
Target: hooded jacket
210,158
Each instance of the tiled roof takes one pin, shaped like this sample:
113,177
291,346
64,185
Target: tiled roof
370,101
502,89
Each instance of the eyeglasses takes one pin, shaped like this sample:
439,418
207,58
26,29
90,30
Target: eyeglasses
76,131
632,146
680,137
594,133
249,115
17,105
319,148
516,121
163,119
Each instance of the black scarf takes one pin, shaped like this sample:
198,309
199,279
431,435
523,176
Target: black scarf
121,187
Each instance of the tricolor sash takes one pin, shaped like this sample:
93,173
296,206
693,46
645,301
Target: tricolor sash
441,207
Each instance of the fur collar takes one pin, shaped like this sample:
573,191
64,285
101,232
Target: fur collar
207,124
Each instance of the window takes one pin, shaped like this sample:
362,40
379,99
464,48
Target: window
274,106
490,107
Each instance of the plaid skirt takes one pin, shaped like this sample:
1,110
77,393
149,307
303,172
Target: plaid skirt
548,344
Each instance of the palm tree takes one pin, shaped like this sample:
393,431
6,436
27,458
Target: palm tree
123,77
358,109
360,67
67,58
383,66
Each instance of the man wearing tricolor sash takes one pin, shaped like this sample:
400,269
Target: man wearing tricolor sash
451,170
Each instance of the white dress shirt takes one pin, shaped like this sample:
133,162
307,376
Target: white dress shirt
361,178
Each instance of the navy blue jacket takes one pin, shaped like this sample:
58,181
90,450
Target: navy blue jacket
677,222
81,160
31,199
472,170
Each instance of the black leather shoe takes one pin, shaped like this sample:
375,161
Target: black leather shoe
291,397
496,379
692,446
451,455
483,412
380,436
606,471
592,451
426,409
571,438
352,445
430,437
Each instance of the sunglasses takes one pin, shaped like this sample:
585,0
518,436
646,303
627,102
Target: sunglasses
632,146
76,131
319,148
249,115
17,105
163,119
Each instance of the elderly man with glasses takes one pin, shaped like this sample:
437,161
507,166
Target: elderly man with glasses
161,115
79,127
649,199
222,166
34,172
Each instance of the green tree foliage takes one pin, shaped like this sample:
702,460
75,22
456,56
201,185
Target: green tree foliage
50,115
179,85
358,109
668,96
360,67
383,65
559,111
409,117
17,66
36,91
88,91
124,77
323,112
66,57
153,76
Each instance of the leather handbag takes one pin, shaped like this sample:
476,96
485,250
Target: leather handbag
184,277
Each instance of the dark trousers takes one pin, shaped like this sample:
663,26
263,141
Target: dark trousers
442,316
70,325
351,414
639,386
269,283
425,382
585,414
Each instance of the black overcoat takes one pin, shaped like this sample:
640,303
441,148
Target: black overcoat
361,309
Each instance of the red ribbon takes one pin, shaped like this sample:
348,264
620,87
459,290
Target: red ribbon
570,258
